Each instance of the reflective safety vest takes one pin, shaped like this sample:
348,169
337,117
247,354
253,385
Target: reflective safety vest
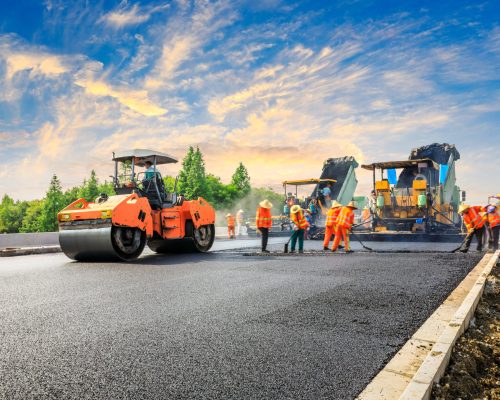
472,219
331,216
230,221
299,220
345,218
493,218
263,218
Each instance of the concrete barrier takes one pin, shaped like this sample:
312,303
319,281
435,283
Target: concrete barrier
29,239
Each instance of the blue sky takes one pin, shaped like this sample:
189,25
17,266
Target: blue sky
280,86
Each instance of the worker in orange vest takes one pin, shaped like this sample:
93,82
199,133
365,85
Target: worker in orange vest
264,222
493,221
345,220
331,223
230,226
474,220
300,224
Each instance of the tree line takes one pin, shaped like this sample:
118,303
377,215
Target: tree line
193,182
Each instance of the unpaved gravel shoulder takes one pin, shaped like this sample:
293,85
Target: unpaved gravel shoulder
474,369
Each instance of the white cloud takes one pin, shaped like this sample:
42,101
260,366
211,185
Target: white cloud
124,16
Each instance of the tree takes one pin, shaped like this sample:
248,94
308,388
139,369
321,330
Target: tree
32,218
90,187
53,203
196,176
169,182
184,172
11,214
241,180
192,176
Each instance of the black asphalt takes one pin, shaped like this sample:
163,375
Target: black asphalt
214,326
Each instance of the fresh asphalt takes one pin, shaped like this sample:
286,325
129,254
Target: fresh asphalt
214,326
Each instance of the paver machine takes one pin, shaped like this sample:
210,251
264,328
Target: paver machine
424,197
141,212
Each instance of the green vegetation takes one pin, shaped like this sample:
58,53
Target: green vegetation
193,182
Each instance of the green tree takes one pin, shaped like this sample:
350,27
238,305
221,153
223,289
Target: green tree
53,203
241,180
90,187
169,182
11,214
32,218
196,176
184,172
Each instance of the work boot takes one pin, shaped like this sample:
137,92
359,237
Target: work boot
334,250
349,251
325,248
301,251
464,250
265,251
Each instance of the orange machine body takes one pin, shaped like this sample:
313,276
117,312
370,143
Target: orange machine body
133,211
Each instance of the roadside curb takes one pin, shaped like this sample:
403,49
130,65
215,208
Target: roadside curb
24,251
423,359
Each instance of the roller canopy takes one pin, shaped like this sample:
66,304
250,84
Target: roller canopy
142,155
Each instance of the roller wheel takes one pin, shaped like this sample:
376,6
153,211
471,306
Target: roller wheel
204,237
197,240
128,243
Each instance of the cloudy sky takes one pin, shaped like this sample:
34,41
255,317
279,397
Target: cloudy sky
280,86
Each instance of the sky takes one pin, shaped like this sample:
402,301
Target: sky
280,86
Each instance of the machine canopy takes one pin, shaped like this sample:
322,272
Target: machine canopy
311,181
140,156
401,164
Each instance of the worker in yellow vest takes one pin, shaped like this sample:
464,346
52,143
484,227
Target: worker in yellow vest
331,223
345,221
230,226
300,224
264,222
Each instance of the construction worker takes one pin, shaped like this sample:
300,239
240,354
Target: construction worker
493,221
345,220
150,170
331,223
300,224
230,226
474,222
240,216
365,217
264,222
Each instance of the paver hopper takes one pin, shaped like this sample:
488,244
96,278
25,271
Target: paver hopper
141,212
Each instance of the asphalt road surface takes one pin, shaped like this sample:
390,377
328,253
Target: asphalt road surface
213,326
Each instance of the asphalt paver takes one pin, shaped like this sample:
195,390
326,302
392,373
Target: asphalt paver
213,326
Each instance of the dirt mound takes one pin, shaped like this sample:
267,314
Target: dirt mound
474,370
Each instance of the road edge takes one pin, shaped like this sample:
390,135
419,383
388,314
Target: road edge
423,359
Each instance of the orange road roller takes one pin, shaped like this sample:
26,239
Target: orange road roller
142,212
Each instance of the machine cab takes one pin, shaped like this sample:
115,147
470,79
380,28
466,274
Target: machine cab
132,176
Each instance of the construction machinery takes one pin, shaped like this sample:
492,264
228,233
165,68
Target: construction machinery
141,212
423,198
338,172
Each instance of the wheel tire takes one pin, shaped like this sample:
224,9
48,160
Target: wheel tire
196,240
128,243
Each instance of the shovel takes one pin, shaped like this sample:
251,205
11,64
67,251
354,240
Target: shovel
361,243
465,239
285,250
